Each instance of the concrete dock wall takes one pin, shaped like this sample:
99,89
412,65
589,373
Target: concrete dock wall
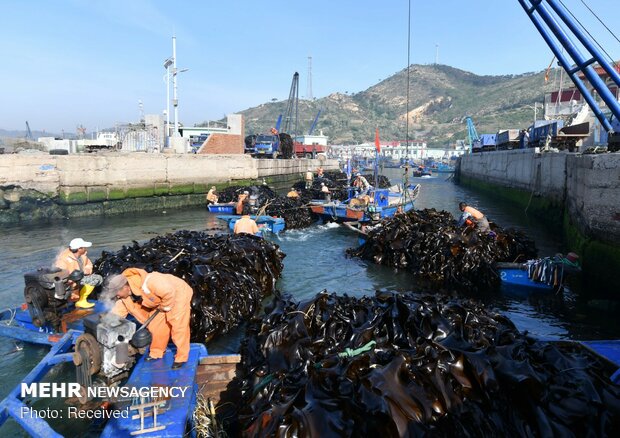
578,195
48,186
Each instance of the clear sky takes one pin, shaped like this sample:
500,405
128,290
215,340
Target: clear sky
89,62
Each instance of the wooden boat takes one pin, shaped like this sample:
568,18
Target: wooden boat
386,203
265,223
227,208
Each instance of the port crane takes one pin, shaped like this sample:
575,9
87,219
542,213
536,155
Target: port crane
558,28
28,132
291,116
472,135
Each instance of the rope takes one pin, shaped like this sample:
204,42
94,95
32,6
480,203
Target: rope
12,312
600,21
586,30
350,352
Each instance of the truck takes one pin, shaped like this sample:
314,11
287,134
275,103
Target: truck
273,145
105,141
308,150
507,139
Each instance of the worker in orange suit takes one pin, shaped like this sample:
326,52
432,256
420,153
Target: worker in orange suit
170,294
480,221
243,199
75,257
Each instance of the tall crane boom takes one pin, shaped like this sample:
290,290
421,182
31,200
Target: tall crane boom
291,116
545,15
316,119
28,132
472,135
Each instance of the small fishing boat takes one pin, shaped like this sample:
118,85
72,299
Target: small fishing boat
515,275
422,171
384,203
545,274
227,208
265,223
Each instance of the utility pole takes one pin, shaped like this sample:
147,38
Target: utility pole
436,53
175,99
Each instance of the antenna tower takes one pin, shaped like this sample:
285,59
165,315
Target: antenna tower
309,85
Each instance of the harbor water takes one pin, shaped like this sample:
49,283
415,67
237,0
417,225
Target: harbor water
315,260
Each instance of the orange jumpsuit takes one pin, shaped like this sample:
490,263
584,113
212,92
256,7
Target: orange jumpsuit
68,260
171,295
242,198
246,225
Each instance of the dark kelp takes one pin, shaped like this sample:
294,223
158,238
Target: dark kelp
230,274
429,244
337,183
410,365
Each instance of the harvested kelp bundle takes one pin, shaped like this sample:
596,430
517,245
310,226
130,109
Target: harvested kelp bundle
295,212
429,244
230,274
337,183
409,365
262,193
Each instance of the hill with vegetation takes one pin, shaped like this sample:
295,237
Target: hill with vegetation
440,97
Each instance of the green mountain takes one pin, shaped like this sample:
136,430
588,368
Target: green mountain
440,97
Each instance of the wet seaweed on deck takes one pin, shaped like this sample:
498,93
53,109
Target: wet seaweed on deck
229,274
410,365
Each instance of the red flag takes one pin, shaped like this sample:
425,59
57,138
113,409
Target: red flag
377,142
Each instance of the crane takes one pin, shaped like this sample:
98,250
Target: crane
28,132
472,135
557,27
316,119
291,116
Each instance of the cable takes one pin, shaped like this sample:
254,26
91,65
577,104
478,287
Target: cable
589,34
600,21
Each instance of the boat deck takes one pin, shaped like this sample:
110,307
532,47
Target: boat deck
161,418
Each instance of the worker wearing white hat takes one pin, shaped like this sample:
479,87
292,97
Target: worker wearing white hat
75,258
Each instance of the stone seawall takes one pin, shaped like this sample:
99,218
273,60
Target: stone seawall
577,195
49,186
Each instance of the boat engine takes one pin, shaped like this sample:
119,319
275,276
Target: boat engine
104,348
47,293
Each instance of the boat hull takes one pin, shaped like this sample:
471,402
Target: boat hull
222,208
266,223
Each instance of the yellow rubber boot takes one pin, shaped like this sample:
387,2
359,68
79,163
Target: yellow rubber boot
84,293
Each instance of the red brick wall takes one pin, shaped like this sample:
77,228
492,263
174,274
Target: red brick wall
224,143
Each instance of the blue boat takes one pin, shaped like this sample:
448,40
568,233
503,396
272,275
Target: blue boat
228,208
265,223
158,417
515,275
386,203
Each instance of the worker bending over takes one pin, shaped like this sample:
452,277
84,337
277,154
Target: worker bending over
171,295
478,218
292,194
75,258
212,196
243,200
361,184
246,224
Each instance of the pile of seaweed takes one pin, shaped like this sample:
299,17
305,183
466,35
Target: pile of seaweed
230,274
295,212
337,183
429,243
410,365
231,194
